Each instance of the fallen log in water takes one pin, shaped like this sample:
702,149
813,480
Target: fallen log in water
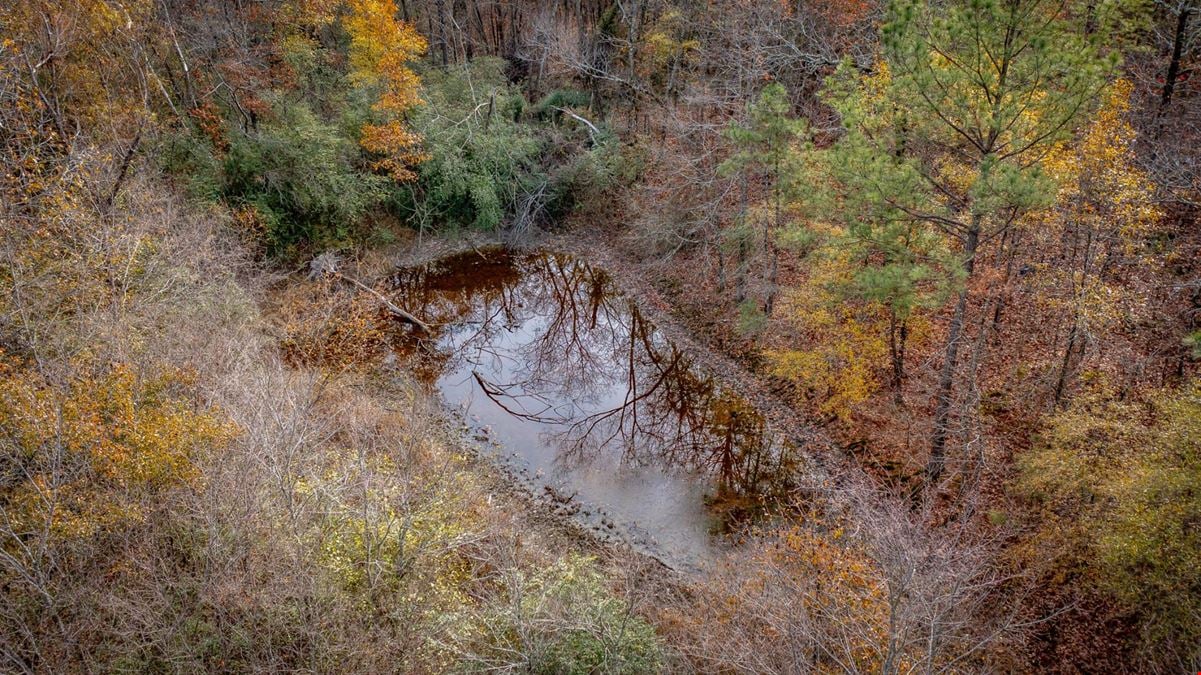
327,263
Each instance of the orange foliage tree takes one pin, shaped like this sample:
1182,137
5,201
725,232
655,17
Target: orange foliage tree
381,48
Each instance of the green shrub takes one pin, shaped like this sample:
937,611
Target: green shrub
482,159
585,177
563,620
561,98
188,155
302,175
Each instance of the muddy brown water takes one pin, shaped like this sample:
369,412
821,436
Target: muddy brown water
559,375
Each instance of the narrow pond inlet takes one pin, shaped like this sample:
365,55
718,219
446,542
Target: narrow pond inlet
565,379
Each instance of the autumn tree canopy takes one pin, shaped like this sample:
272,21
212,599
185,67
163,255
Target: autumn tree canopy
929,270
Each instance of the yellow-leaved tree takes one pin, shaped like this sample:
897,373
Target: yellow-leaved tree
90,453
843,346
1103,211
381,47
1116,483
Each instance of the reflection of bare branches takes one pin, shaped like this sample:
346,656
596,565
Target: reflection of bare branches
548,341
498,394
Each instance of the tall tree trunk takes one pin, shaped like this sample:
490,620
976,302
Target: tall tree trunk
1066,365
514,23
898,336
971,418
581,34
441,6
773,275
1169,82
942,409
635,27
1074,344
1009,248
740,270
721,266
767,250
124,170
773,254
483,30
466,45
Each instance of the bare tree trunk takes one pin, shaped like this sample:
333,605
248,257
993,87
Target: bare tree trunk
1066,364
721,267
327,264
970,493
1169,82
942,410
124,170
441,7
773,254
773,276
1011,259
1074,345
898,336
740,270
388,304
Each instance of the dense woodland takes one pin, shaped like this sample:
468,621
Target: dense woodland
957,239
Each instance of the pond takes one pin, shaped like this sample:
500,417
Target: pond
563,377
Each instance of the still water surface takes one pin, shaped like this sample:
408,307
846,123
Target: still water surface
573,386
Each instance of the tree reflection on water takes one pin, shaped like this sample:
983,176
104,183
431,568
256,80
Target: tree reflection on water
549,340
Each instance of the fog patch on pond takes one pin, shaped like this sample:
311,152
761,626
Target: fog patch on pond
565,378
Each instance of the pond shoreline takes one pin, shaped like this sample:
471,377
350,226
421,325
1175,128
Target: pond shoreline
562,509
552,511
630,279
548,510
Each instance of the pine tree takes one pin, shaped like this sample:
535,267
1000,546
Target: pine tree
896,261
986,87
769,145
